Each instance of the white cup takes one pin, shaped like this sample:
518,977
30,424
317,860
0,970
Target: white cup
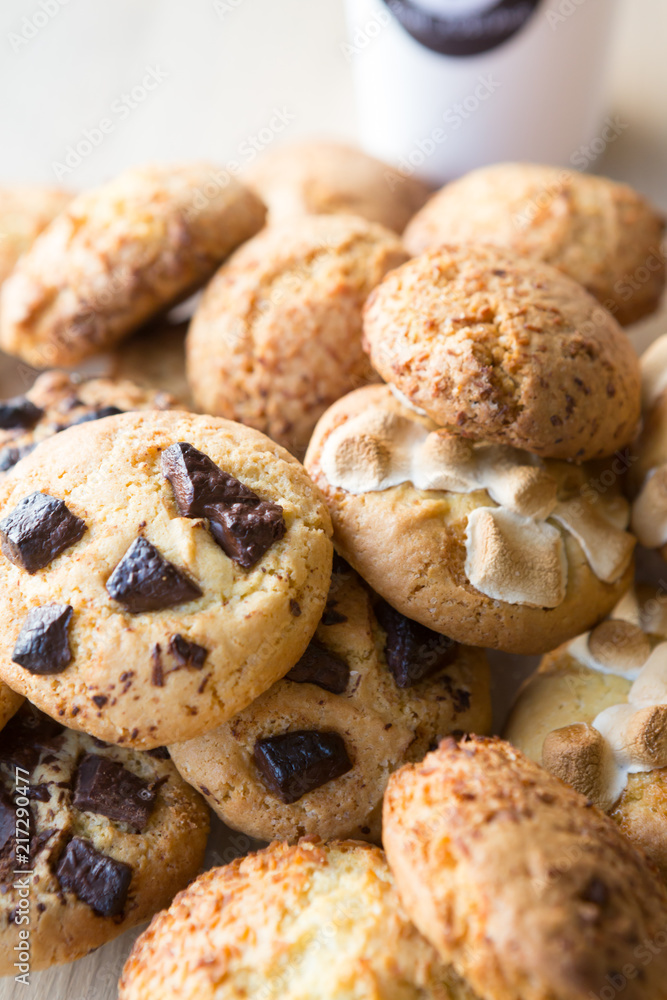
444,86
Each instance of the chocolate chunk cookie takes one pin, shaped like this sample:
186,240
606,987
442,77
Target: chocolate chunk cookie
152,566
313,754
317,921
498,346
118,255
94,839
58,400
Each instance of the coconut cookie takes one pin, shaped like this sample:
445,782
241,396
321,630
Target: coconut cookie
312,755
119,254
315,920
58,400
506,348
601,233
519,883
648,474
277,336
326,178
159,571
24,213
102,837
484,543
595,714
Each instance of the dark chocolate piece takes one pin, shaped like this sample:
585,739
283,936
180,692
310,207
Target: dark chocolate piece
98,413
186,653
293,764
243,525
27,735
413,651
42,646
9,456
105,786
161,753
145,581
96,879
38,529
320,666
7,818
332,617
18,412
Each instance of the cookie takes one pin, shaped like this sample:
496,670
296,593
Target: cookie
312,920
519,883
159,571
155,358
24,212
58,400
277,336
506,348
10,702
313,754
327,178
647,479
119,254
595,715
486,544
94,840
601,233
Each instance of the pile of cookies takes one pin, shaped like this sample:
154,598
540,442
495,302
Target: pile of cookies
482,446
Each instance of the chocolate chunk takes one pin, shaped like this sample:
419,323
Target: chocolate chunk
38,529
413,651
97,413
145,581
243,525
27,735
42,646
157,673
186,653
331,616
105,786
295,608
95,878
293,764
9,456
100,700
161,753
320,666
18,412
7,818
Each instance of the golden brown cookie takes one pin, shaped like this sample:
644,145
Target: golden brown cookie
327,178
313,754
595,715
10,702
159,571
119,254
506,348
58,400
317,921
603,234
648,473
277,336
95,840
24,212
519,882
488,545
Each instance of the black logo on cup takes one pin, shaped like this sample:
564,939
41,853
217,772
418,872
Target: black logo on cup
463,34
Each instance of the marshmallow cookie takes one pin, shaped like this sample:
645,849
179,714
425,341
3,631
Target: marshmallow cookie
648,475
313,754
105,836
58,400
277,336
601,233
317,921
487,544
595,714
119,254
327,178
505,348
527,890
159,571
24,213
